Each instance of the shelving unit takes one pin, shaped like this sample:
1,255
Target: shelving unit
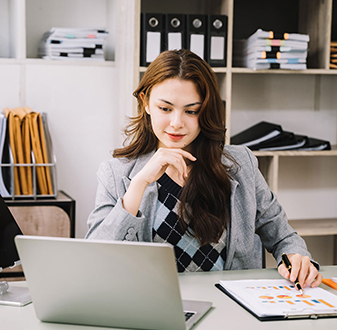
70,92
301,101
277,94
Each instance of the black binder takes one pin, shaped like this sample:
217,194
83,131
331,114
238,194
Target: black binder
175,31
196,30
283,141
152,34
256,134
217,40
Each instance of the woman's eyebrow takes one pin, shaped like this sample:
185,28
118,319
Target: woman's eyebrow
165,101
186,106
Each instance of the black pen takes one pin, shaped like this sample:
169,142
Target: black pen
287,263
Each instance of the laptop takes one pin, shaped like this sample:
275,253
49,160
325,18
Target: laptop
106,283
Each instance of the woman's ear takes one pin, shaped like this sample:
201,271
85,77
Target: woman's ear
146,105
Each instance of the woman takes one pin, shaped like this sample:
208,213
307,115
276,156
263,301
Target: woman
176,181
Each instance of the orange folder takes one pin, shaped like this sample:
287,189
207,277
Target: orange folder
330,282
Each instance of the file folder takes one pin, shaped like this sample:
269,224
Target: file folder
175,31
217,40
196,34
152,34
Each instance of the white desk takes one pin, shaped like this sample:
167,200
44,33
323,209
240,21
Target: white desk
225,314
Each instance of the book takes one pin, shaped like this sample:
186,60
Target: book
286,66
257,133
74,33
278,42
277,55
313,144
284,141
270,300
261,34
73,43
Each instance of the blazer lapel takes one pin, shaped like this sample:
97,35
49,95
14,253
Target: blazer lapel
232,229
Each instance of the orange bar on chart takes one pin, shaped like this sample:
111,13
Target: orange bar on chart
287,288
324,302
307,302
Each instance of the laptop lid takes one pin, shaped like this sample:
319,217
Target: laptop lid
104,283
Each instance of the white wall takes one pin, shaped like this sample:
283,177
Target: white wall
81,104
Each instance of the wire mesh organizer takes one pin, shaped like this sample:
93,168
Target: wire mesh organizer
7,172
32,179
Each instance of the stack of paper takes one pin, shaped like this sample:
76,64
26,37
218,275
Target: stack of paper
73,44
268,50
333,55
269,136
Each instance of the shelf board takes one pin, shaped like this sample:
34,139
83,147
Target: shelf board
282,71
39,61
271,71
315,227
297,153
216,70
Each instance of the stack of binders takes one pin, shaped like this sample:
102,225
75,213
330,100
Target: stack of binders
269,50
205,35
265,136
73,44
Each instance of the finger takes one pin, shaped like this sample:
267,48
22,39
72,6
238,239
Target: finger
304,271
295,260
283,271
313,278
317,281
185,154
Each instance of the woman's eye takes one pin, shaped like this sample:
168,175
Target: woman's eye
164,109
191,112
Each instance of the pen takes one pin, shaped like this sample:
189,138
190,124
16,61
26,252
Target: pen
287,263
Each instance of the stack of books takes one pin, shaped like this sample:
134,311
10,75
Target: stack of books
269,50
73,44
333,55
270,136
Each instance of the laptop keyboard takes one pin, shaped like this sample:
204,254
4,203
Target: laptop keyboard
188,315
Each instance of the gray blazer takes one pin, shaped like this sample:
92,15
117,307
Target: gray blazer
254,210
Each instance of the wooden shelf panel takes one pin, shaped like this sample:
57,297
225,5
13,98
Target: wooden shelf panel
282,71
315,227
297,153
271,71
39,61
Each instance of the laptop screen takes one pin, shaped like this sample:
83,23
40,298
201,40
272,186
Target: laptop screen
8,230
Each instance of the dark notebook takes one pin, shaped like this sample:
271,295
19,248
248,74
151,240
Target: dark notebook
284,141
256,134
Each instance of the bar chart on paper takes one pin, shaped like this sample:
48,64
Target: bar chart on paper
280,297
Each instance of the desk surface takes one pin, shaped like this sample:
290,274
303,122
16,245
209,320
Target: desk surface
198,286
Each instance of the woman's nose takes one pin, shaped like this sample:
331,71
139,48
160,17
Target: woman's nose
177,120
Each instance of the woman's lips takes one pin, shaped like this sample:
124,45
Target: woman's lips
175,137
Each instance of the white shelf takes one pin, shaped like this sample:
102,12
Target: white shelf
315,227
289,72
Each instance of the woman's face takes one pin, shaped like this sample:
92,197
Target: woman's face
174,107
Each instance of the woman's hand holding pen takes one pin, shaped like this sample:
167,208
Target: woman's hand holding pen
152,171
301,269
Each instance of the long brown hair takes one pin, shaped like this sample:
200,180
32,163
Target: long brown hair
205,198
